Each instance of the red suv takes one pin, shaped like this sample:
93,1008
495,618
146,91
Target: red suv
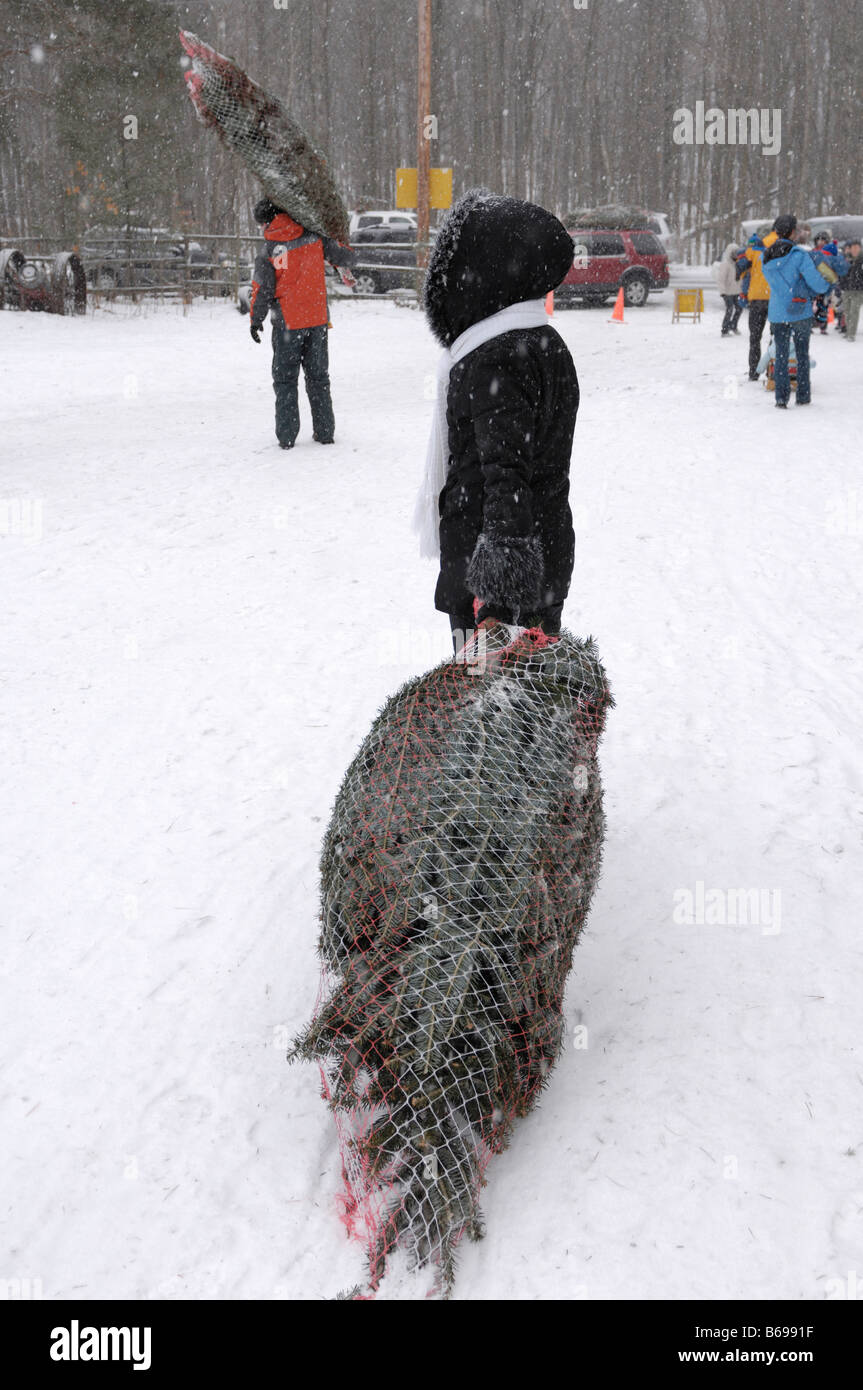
606,259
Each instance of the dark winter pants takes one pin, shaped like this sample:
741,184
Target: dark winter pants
463,624
293,348
757,320
733,310
782,338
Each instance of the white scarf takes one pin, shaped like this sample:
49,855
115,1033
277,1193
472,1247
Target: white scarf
529,314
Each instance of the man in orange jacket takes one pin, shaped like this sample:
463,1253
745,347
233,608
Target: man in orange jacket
289,284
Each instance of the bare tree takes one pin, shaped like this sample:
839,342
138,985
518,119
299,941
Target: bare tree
570,106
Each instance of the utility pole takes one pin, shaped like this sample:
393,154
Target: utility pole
423,145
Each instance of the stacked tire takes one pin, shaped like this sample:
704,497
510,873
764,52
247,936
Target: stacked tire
68,284
12,262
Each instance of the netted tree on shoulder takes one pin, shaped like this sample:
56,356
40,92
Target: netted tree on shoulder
256,126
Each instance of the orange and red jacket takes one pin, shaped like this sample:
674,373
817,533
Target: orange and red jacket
290,273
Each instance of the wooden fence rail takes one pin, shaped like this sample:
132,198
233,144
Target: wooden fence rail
204,264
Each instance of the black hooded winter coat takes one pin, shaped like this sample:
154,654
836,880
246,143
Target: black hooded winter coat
505,524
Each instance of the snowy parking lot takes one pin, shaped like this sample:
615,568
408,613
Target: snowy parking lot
198,630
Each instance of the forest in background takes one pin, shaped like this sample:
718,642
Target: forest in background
567,106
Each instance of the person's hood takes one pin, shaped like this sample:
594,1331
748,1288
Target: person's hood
491,251
780,247
759,242
729,252
283,228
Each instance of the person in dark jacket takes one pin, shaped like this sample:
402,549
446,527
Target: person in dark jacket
793,282
289,283
852,291
510,391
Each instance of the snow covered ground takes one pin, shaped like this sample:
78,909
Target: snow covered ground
198,629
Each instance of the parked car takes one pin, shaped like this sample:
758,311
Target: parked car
843,227
120,256
622,217
607,259
381,217
658,223
761,225
385,259
384,262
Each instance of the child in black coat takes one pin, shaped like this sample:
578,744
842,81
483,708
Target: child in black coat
495,497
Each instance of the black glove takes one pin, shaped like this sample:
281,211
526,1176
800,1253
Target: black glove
255,331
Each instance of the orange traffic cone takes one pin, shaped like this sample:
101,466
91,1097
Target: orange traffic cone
617,312
830,315
549,303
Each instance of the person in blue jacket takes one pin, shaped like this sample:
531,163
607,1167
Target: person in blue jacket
793,282
825,252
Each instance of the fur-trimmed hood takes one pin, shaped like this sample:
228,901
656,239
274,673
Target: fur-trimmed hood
491,251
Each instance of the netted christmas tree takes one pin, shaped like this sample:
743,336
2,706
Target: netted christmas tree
611,217
293,174
457,871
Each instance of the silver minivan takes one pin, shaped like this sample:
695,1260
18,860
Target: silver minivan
842,226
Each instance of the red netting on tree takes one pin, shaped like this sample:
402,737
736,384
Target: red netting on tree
457,871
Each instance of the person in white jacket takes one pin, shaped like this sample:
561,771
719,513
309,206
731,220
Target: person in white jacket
726,279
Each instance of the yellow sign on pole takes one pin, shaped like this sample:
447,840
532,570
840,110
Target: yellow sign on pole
440,188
